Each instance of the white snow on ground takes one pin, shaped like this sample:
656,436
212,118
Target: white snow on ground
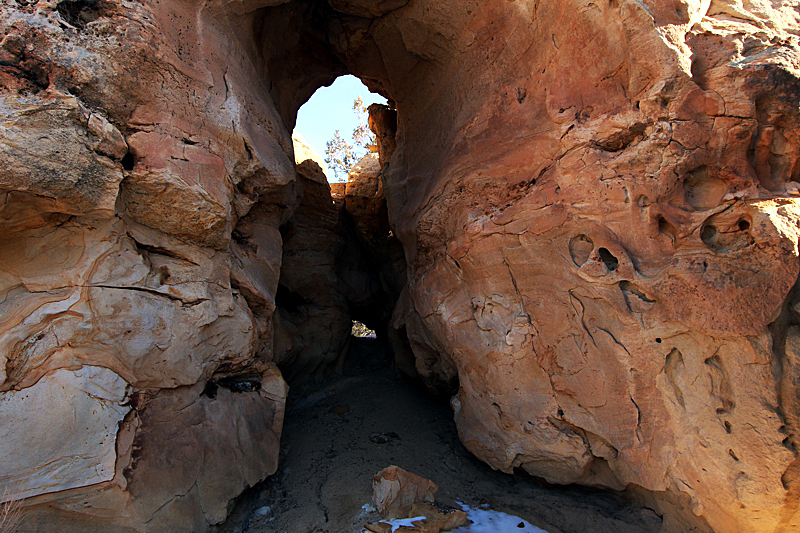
483,521
396,524
486,521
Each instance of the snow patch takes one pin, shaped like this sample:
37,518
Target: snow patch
486,521
483,521
400,522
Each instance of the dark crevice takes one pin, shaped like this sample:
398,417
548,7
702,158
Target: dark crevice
158,250
667,229
622,139
35,71
289,300
78,13
608,259
237,384
128,161
154,292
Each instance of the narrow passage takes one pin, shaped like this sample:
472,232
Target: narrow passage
337,435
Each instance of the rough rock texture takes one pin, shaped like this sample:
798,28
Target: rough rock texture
365,200
118,197
383,123
373,266
601,251
597,207
183,453
598,204
339,264
395,491
312,322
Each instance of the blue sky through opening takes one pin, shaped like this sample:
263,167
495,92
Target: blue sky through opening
331,109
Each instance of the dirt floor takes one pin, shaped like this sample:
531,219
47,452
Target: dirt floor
337,435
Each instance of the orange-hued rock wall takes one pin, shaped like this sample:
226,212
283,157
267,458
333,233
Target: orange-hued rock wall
598,204
600,219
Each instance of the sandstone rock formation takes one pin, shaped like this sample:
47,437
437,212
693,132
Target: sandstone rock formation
312,319
598,204
303,152
119,197
374,266
602,245
398,493
54,449
336,260
396,490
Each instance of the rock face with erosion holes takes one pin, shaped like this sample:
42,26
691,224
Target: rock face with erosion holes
598,206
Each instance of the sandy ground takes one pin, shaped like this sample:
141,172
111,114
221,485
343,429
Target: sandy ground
337,435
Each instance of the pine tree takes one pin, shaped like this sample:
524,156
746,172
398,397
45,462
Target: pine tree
341,155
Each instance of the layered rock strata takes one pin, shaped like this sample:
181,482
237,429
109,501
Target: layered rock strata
138,393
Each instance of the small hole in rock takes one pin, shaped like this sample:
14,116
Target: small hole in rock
210,390
361,331
665,228
580,248
128,161
608,258
658,340
708,233
79,12
744,225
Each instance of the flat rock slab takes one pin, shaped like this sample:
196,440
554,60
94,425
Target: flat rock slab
69,422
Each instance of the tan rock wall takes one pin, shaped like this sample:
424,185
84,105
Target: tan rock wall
134,140
63,416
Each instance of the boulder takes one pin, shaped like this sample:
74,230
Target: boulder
395,491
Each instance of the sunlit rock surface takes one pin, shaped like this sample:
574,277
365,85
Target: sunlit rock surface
64,415
601,232
119,194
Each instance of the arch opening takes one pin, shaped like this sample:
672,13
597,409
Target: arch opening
372,266
245,260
